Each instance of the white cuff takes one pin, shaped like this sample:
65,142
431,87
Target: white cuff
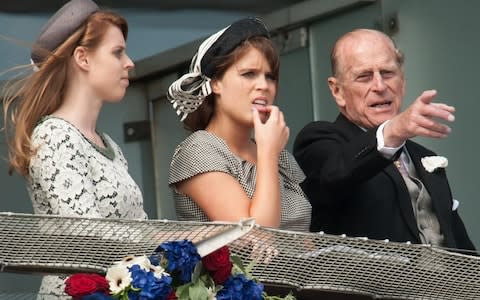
387,152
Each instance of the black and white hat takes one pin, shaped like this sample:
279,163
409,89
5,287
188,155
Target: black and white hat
188,92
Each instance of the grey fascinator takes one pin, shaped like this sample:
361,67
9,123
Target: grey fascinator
60,26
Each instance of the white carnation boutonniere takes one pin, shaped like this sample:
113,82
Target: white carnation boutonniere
431,163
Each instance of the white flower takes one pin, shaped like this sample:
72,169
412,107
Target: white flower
158,271
431,163
118,278
131,260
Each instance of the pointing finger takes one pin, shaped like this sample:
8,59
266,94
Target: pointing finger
427,96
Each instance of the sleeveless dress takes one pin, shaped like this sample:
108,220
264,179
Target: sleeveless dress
205,152
71,176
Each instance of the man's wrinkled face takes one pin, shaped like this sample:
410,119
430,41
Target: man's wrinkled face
369,86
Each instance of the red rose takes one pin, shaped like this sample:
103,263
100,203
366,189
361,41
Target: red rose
82,284
172,296
218,264
218,259
221,275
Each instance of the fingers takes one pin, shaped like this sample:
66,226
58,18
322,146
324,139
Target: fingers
266,113
443,111
439,134
429,127
438,111
271,131
427,108
427,116
256,118
422,118
273,113
443,106
278,118
427,96
275,116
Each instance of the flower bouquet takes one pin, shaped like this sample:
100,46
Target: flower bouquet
174,271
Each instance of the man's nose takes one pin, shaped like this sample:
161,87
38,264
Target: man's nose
378,82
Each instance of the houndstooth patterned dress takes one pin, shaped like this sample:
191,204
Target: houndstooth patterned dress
70,176
205,152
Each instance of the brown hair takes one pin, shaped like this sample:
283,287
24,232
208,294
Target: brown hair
200,118
39,94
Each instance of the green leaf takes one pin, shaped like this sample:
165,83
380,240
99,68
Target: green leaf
237,261
197,271
183,292
238,264
208,281
249,268
198,291
192,291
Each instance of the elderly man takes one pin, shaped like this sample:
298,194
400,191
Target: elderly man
364,176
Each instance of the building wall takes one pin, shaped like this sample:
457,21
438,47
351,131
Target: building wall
438,37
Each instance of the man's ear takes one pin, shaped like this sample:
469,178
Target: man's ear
336,90
81,58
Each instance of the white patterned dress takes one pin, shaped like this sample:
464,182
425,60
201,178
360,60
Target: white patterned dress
71,176
205,152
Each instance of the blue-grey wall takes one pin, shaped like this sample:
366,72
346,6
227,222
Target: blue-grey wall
149,32
440,40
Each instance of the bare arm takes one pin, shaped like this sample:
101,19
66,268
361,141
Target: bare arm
222,197
271,137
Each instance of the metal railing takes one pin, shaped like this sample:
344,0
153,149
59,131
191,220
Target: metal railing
302,261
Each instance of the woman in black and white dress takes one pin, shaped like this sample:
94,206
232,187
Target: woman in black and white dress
234,164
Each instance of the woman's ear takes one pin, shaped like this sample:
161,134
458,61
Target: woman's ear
80,56
216,86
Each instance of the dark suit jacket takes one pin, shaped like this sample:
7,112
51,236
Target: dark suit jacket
355,191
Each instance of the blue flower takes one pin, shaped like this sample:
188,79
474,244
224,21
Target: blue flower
238,287
154,259
182,256
149,286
